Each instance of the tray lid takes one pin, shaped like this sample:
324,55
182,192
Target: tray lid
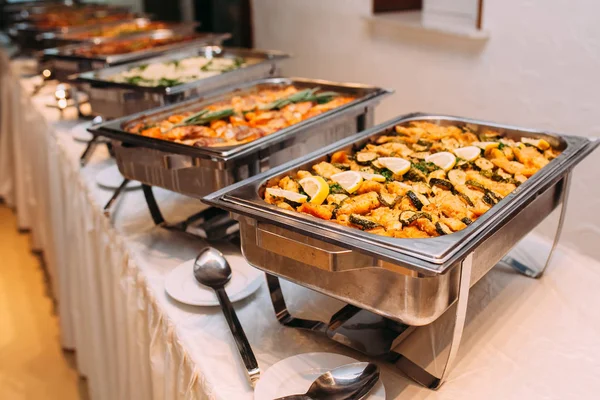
430,256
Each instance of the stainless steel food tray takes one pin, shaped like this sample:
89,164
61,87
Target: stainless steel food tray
27,35
66,62
198,171
114,100
61,38
412,281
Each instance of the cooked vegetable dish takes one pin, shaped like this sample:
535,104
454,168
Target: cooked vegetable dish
419,181
243,118
124,28
129,46
176,72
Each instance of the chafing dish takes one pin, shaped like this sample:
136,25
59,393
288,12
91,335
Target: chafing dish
90,33
416,275
197,171
27,33
20,11
390,284
65,60
114,99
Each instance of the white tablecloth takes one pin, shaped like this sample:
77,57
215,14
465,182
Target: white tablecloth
524,338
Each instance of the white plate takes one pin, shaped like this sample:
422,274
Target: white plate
183,287
295,374
79,132
111,178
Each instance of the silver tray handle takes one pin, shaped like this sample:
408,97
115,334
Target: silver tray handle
303,249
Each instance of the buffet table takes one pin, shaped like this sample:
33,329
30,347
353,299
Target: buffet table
524,338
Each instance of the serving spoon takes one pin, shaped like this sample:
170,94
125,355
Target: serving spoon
212,269
350,381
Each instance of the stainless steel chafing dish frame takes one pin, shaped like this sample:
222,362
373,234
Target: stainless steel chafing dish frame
391,291
197,171
66,62
116,99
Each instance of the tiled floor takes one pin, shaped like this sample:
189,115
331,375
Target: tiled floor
32,363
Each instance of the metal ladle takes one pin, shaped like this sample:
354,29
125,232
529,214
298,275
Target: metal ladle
351,381
212,269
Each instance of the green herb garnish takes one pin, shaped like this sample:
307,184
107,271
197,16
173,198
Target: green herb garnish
206,67
237,63
299,97
204,117
135,80
168,82
335,188
425,167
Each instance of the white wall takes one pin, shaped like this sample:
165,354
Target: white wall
540,68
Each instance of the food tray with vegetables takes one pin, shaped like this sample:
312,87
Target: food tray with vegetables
399,208
422,180
204,144
130,88
83,57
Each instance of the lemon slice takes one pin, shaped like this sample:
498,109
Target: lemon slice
367,176
316,188
539,143
349,180
486,145
468,153
287,194
443,159
397,165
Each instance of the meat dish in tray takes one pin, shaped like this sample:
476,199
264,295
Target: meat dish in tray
242,119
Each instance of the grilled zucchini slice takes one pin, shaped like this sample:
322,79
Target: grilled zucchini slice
465,199
363,222
476,185
415,175
442,183
467,221
388,199
365,157
488,199
418,200
442,228
408,217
